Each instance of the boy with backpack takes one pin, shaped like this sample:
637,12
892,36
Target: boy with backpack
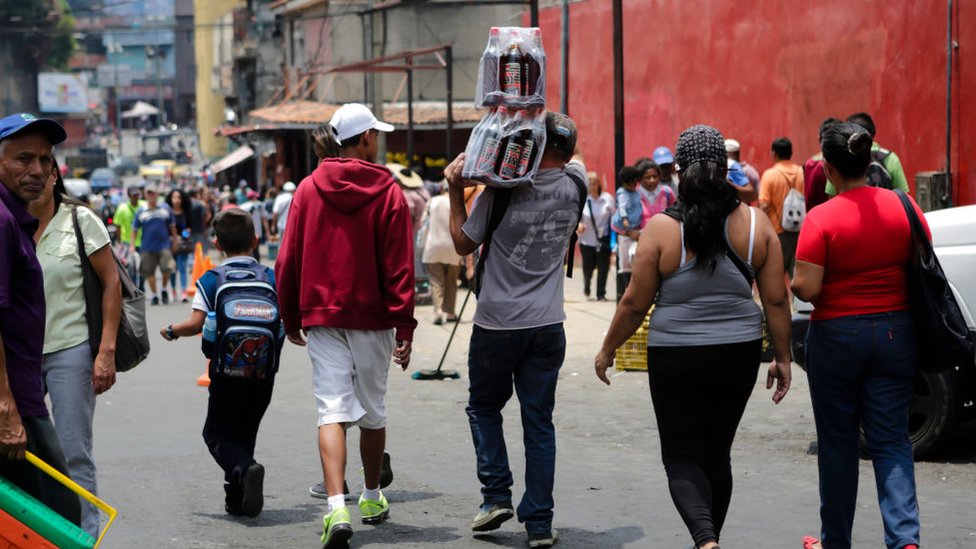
236,308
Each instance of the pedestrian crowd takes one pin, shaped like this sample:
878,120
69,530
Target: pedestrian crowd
698,234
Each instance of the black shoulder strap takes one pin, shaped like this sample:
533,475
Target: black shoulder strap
920,240
589,206
739,264
571,254
499,203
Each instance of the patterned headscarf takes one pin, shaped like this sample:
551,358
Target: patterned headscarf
700,144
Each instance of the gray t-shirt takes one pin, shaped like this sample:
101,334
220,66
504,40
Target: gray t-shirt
522,286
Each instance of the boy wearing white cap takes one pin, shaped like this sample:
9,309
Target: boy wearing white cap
346,280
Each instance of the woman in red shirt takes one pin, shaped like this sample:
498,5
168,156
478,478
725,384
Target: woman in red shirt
861,349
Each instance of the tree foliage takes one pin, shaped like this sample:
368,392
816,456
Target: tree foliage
41,29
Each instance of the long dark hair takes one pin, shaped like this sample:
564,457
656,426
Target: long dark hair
185,205
324,143
705,200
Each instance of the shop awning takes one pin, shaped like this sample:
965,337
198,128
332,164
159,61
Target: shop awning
235,157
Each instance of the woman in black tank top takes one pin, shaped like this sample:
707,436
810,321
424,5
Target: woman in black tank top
697,421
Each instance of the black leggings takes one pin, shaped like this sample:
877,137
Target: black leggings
699,395
599,261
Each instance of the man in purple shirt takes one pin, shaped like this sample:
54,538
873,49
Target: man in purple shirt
26,160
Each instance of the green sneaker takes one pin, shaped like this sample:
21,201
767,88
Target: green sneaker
374,511
336,529
490,517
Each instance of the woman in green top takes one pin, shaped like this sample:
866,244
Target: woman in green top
73,373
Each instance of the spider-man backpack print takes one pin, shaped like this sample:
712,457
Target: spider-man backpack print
249,329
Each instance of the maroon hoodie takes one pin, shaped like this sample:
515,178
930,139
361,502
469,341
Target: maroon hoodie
346,259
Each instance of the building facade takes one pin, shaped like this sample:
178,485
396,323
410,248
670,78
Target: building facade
758,70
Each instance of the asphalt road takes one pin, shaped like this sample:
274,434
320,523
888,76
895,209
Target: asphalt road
611,490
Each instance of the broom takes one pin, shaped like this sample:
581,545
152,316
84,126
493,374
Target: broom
440,373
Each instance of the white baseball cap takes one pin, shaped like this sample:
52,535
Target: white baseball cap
731,145
353,119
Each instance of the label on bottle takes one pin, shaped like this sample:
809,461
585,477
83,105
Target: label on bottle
510,162
512,78
487,157
523,167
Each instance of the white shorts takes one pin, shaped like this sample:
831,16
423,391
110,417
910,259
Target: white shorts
349,374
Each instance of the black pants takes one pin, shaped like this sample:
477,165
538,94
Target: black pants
600,260
699,395
42,441
234,413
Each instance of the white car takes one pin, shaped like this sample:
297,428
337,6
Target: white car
941,401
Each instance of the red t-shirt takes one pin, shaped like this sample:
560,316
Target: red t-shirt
862,239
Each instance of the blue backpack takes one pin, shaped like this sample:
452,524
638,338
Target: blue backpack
250,333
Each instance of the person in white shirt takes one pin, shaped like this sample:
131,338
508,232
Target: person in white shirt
440,259
281,205
594,233
255,207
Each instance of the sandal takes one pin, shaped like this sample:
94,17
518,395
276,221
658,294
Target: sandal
810,542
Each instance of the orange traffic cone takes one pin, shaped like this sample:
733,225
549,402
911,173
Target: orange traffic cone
198,269
204,380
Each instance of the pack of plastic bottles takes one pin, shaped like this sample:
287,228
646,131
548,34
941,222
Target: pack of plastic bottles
512,72
506,147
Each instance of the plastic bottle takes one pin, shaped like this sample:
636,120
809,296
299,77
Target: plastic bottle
489,68
511,150
510,70
527,160
490,144
210,333
531,67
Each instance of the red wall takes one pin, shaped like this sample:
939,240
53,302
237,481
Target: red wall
760,69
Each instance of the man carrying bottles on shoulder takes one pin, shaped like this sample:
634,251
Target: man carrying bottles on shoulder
518,337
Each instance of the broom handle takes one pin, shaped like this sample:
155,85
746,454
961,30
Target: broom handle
456,324
74,487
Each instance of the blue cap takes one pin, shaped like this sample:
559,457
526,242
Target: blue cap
662,155
16,123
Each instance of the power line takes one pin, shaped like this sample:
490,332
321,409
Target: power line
219,25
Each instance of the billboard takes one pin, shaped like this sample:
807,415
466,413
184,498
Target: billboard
62,92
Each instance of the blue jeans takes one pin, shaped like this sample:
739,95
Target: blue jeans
531,358
182,264
68,379
861,370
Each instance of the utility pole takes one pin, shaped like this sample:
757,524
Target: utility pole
564,61
118,106
618,85
376,18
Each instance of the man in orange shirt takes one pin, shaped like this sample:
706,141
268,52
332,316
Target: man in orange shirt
775,184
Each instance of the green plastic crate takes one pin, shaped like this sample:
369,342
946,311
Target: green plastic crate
39,518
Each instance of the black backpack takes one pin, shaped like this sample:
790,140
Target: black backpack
943,336
249,328
499,204
877,174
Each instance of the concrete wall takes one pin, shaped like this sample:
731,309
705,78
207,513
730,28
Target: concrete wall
759,69
338,40
210,104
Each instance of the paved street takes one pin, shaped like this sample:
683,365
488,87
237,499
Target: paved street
611,490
